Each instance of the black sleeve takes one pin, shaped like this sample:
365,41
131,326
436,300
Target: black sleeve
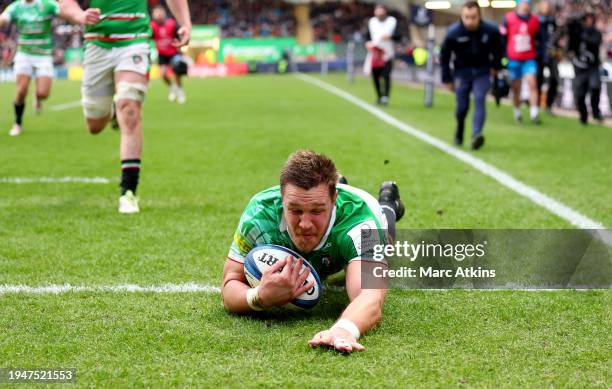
396,36
445,56
497,49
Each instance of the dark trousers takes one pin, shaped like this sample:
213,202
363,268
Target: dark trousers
383,72
477,82
587,81
553,80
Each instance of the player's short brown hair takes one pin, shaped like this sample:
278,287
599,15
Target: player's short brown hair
307,169
472,4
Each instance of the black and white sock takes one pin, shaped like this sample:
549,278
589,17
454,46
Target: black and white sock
130,172
19,108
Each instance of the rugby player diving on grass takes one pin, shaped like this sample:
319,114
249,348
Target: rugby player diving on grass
314,214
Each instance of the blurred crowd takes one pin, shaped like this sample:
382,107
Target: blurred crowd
331,21
566,10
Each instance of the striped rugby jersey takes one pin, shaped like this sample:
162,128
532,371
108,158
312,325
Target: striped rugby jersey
123,22
34,25
262,222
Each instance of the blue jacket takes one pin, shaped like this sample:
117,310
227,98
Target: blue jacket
479,50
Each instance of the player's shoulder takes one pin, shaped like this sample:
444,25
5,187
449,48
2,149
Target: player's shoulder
264,204
454,29
50,3
15,4
489,26
355,206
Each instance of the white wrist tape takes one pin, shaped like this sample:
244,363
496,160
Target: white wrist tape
349,326
252,298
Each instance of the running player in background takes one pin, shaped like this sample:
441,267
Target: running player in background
521,28
164,33
115,68
34,53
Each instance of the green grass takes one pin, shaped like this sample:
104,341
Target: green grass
201,164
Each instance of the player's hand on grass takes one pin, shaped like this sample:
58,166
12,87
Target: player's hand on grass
337,338
278,287
90,16
184,36
450,86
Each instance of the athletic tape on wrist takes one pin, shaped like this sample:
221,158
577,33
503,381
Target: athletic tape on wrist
252,298
349,326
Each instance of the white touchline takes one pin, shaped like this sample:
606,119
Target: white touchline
54,180
563,211
61,107
120,288
191,287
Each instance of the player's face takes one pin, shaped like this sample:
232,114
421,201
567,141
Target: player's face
307,213
380,13
523,8
470,18
159,14
544,7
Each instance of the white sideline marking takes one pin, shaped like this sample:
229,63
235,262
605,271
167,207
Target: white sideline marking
121,288
61,107
563,211
191,287
54,180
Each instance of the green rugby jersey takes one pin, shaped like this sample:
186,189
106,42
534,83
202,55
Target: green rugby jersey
123,22
34,25
262,222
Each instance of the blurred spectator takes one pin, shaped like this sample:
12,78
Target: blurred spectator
382,32
547,53
584,48
521,29
473,48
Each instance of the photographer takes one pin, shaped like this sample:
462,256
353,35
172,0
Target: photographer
583,47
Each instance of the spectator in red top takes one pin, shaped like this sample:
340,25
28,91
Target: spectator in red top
521,28
164,32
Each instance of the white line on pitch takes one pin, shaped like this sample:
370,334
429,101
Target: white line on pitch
191,287
54,180
556,207
120,288
61,107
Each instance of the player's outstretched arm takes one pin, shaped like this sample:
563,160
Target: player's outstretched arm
280,283
72,12
361,315
180,10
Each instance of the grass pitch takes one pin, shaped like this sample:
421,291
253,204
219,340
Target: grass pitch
202,162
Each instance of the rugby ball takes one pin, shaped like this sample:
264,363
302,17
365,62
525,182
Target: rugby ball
262,257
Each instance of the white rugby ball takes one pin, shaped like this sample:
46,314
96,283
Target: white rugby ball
262,257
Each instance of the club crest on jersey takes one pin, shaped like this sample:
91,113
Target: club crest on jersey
326,260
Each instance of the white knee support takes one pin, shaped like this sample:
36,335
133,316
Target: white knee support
97,107
130,91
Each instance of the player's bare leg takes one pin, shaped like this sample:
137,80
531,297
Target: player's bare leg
96,125
129,96
165,71
43,89
181,98
533,98
516,100
21,91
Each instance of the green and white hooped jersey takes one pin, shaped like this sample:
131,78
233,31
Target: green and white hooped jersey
123,23
262,222
34,25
